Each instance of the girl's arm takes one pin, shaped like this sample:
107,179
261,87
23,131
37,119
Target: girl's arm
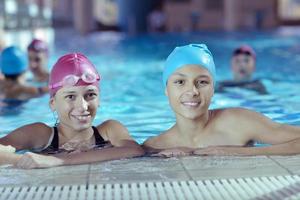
8,156
123,147
28,137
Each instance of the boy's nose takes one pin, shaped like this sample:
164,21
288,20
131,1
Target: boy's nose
193,90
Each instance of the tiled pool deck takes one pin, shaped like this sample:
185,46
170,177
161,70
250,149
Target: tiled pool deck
147,169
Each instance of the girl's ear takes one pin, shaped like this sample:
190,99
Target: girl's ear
166,92
52,104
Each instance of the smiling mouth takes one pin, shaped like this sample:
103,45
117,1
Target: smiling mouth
191,104
82,117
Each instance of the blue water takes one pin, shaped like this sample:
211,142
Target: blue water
131,86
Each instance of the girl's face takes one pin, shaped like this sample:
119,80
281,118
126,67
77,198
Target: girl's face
76,106
37,61
190,90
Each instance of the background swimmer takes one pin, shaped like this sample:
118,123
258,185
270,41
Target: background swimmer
13,66
74,97
38,60
243,64
189,78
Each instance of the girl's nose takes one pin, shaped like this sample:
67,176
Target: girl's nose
82,104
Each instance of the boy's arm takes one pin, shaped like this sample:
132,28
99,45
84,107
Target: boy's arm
151,147
283,139
288,148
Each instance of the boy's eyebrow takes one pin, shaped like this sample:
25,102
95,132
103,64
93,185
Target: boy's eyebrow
178,73
200,76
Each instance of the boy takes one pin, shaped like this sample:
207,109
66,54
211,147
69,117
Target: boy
189,79
13,67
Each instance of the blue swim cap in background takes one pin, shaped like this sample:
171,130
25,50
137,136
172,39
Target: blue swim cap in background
13,61
197,54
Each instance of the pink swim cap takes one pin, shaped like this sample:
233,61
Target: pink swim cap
73,65
245,49
38,46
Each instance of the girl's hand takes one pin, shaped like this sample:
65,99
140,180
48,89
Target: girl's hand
32,160
8,148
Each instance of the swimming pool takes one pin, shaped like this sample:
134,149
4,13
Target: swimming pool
131,86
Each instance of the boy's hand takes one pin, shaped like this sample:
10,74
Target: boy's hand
168,153
218,151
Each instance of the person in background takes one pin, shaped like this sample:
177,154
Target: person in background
157,18
13,66
2,46
74,97
38,54
243,64
189,79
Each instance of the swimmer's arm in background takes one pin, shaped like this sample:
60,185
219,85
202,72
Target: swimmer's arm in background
31,136
30,91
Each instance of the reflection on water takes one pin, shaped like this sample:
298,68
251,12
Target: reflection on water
11,107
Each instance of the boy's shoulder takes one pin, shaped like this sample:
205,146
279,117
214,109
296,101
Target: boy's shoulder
160,141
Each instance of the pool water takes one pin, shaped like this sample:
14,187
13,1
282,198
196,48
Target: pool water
131,72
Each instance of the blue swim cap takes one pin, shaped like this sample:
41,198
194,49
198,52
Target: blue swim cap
13,61
197,54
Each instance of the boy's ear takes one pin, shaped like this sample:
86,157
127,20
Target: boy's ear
166,92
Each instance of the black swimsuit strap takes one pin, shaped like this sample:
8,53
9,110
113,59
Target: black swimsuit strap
55,141
98,138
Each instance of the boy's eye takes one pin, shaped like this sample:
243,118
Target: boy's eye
179,82
200,83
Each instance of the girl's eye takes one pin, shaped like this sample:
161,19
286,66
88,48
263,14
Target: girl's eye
179,82
91,95
70,97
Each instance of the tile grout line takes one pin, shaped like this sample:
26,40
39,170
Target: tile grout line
280,165
186,170
88,176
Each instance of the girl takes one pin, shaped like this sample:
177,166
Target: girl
74,96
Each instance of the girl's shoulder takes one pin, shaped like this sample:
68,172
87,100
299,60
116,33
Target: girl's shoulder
110,125
112,130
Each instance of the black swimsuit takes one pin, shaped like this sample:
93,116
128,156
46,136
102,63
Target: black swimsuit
53,148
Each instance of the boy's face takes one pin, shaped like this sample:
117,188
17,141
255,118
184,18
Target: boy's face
37,61
76,106
243,66
190,90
